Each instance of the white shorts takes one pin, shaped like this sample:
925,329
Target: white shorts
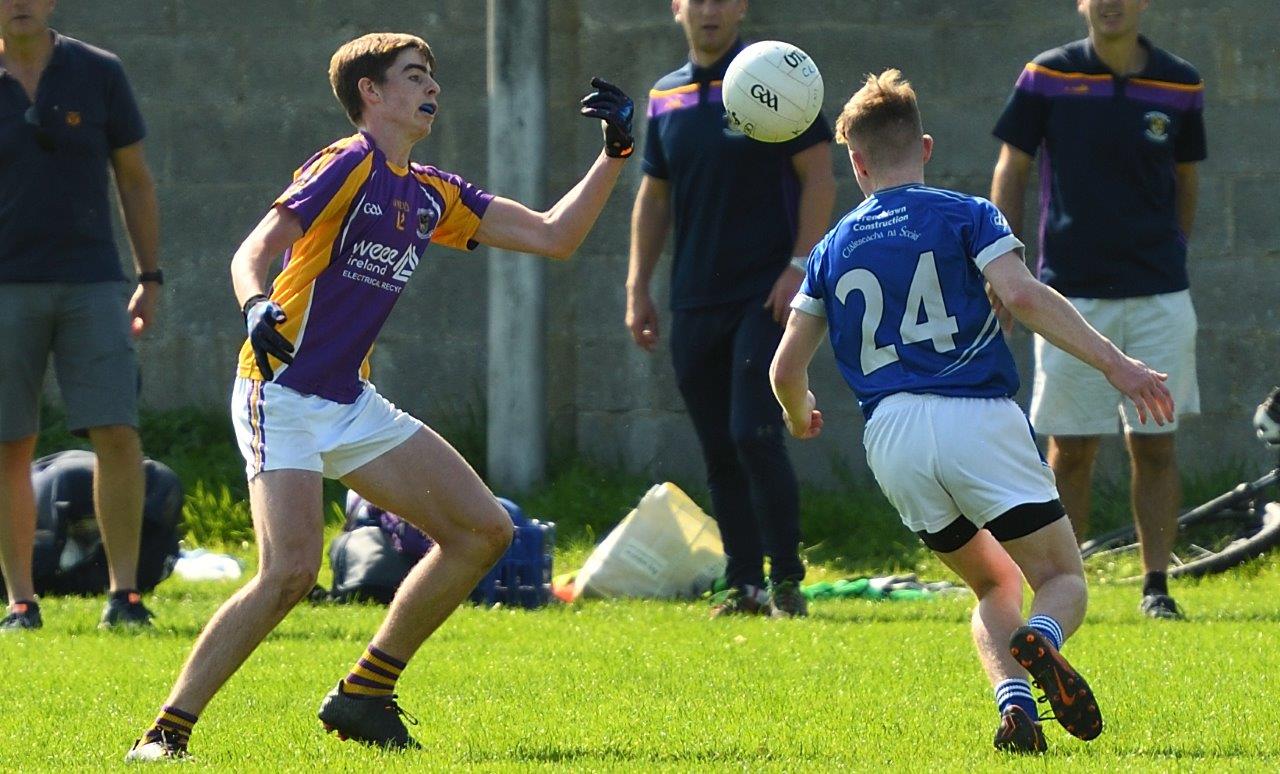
939,457
1071,398
279,428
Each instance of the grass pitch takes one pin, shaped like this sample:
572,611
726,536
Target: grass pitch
865,686
859,686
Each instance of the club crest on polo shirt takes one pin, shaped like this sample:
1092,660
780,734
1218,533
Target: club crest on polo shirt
428,217
1157,126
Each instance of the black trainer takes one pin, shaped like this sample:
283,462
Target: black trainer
1019,733
125,608
22,615
740,600
786,600
1160,606
1074,706
373,720
160,746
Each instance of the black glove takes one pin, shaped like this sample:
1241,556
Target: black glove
1267,418
609,104
261,316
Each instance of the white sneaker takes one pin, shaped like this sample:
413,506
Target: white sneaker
166,748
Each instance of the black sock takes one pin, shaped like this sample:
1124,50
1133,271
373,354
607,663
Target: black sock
1155,583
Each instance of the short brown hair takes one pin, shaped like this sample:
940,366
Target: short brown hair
882,117
369,56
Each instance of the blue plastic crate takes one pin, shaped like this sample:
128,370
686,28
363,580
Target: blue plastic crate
522,577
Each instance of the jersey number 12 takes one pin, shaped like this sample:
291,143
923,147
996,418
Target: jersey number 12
925,291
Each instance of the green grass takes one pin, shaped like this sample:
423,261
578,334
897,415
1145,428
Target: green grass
641,685
624,685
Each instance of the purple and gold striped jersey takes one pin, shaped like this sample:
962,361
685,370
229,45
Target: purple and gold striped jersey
366,224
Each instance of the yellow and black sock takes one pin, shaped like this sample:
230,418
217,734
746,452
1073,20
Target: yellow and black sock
174,723
375,674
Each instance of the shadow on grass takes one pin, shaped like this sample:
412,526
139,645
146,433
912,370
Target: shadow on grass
187,632
615,753
1235,754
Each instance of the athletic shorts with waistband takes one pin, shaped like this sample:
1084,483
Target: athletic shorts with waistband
939,459
278,428
1071,398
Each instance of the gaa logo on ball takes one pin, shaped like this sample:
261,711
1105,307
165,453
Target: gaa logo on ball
772,91
764,96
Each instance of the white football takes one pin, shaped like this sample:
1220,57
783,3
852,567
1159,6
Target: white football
772,91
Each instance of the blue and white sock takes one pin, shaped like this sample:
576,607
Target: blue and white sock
1015,692
1048,627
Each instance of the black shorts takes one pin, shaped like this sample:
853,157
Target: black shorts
1018,521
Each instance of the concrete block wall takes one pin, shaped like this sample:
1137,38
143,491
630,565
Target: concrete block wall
236,96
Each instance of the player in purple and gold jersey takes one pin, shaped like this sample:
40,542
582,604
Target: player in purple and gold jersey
899,284
353,226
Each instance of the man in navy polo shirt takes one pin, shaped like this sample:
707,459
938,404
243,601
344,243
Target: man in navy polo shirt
66,110
745,215
1118,126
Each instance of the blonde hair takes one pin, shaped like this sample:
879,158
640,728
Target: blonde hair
369,56
882,118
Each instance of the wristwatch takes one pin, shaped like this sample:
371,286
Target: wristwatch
156,276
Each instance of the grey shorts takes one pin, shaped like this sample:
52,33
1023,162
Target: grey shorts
85,327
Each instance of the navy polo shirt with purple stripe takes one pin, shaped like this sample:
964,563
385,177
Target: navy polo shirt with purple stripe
734,200
55,220
1108,149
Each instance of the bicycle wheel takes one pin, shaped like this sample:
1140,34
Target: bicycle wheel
1210,540
1238,551
1235,505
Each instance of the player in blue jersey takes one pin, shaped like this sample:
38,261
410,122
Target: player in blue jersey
353,227
900,285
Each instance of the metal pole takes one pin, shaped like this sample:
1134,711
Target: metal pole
517,76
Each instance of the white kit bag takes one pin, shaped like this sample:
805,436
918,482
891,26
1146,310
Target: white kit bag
665,548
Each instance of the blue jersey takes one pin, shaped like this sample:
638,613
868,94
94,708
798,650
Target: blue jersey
899,280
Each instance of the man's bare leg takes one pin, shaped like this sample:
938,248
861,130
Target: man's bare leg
426,482
1050,560
17,517
429,484
1071,457
289,522
119,488
995,580
1156,497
